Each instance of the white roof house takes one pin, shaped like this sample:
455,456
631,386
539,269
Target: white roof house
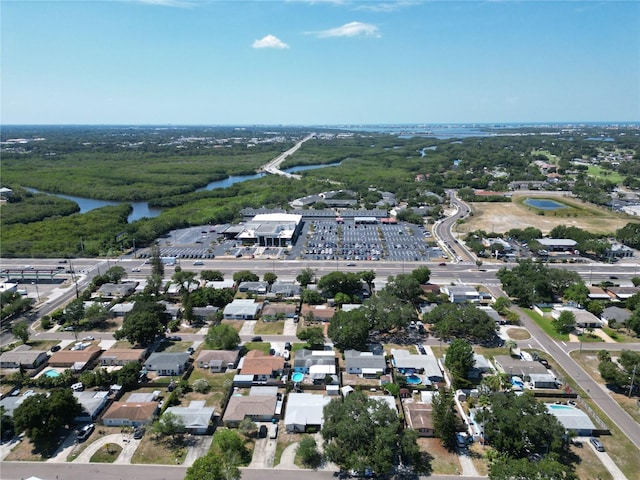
304,410
242,309
461,293
425,364
583,318
572,419
196,417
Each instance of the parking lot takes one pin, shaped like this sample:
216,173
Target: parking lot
319,240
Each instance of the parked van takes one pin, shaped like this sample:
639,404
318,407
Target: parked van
273,431
597,444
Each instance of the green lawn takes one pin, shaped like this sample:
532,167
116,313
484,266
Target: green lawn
545,324
602,174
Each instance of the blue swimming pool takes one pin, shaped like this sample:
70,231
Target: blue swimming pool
52,373
297,377
555,406
414,380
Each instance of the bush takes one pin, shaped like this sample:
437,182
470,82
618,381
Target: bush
201,386
45,322
308,452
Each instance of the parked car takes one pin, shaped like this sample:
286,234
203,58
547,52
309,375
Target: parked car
256,339
55,348
85,432
175,338
138,433
597,444
442,264
88,338
262,433
287,345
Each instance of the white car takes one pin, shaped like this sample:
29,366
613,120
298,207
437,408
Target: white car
88,338
135,269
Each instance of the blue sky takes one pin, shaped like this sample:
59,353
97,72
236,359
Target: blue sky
318,62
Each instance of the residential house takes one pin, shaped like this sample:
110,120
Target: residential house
263,367
364,363
205,314
92,404
167,363
315,361
242,309
24,357
285,290
220,284
118,357
598,293
584,319
116,290
616,315
274,311
318,313
573,420
427,365
480,367
258,408
461,293
133,414
622,293
196,418
256,288
173,311
304,410
218,360
419,417
121,309
515,367
77,360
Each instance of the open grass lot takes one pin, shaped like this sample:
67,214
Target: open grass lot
25,450
588,465
518,333
269,328
620,335
442,461
160,451
545,324
603,174
624,453
107,453
503,216
97,434
589,362
220,384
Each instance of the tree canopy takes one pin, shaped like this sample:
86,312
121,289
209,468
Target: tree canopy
40,415
359,433
222,337
349,330
452,320
459,360
143,323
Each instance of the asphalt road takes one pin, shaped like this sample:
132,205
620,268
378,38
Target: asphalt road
95,471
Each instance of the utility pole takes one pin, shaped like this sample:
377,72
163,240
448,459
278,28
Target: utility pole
633,376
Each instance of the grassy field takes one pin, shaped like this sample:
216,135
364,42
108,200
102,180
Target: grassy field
158,451
545,324
269,328
501,217
602,174
107,453
518,334
442,462
589,362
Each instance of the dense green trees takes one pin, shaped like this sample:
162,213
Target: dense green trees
444,418
386,312
452,320
13,303
213,466
519,425
21,331
340,282
565,323
349,330
40,415
314,336
143,323
532,282
459,360
620,375
222,337
360,433
503,467
245,276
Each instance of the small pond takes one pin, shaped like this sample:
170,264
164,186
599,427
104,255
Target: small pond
544,204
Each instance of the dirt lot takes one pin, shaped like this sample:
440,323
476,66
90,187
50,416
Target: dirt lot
500,217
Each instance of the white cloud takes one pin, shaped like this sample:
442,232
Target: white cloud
269,41
352,29
388,6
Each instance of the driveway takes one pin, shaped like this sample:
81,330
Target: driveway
198,447
247,327
128,444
